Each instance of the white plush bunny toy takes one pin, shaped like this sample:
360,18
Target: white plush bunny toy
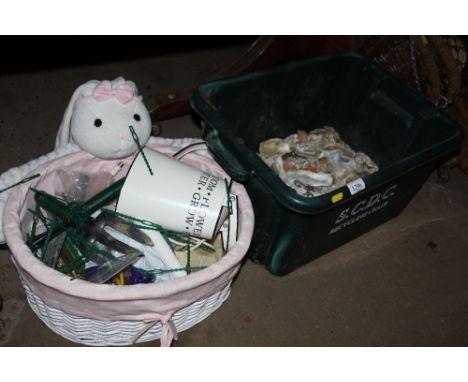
97,120
99,117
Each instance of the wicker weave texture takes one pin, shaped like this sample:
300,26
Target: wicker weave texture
91,332
109,315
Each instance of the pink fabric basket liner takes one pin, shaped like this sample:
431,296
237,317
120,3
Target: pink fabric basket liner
147,302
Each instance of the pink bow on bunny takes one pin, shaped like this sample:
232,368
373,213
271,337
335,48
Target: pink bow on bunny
104,91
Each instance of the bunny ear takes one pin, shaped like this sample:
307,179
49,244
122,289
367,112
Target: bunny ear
63,135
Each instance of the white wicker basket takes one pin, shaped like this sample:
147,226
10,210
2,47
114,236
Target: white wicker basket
120,333
103,315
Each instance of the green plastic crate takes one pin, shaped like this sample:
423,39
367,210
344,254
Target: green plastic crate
373,112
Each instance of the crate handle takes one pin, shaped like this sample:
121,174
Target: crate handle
225,157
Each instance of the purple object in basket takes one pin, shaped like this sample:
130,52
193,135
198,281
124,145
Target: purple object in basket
137,276
132,276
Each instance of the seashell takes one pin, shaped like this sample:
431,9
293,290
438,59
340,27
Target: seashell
330,136
291,140
339,173
287,165
306,149
270,160
338,159
365,164
274,146
324,164
278,167
350,177
300,160
315,137
319,179
291,165
315,163
346,162
311,168
305,190
293,162
302,136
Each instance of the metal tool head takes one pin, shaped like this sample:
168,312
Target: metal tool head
96,233
91,235
110,268
108,219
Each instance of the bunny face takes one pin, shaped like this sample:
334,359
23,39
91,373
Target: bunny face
101,126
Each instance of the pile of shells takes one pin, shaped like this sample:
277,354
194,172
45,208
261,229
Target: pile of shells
315,163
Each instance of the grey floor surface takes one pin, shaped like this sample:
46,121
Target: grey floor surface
404,283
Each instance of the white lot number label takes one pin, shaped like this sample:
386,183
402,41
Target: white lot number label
356,185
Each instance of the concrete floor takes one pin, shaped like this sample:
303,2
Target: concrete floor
403,284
